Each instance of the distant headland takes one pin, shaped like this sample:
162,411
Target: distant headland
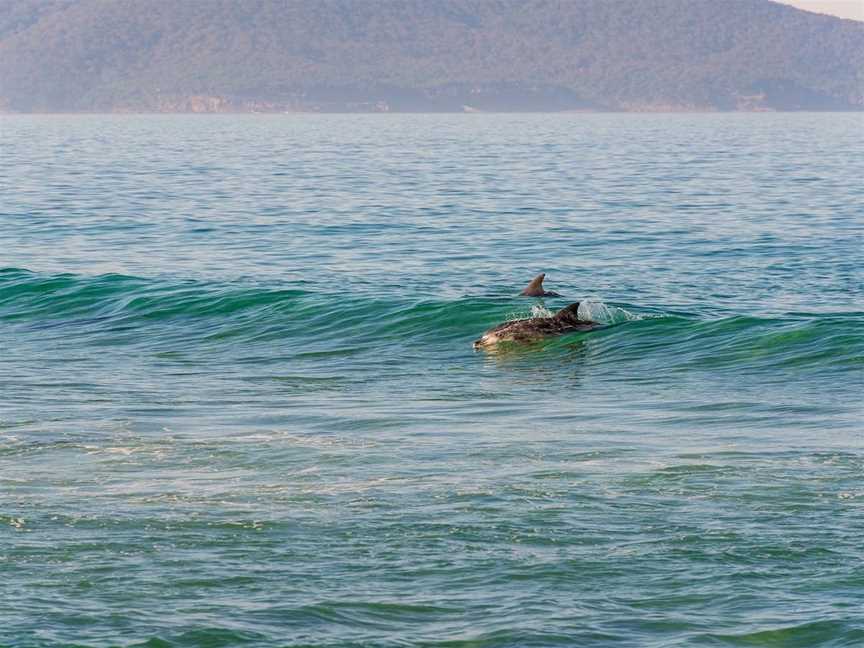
217,56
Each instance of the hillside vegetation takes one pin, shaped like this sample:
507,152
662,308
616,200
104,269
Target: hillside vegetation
376,55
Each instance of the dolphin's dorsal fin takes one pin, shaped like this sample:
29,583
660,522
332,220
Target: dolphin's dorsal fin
535,288
569,312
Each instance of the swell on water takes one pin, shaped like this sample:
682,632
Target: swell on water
156,312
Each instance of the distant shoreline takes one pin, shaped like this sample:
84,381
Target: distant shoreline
459,56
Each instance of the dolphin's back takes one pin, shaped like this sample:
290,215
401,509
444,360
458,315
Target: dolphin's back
535,328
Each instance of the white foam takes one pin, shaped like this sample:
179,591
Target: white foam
597,311
590,309
538,310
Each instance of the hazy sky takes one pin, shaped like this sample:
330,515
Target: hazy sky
843,8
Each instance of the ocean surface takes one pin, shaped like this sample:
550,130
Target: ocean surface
239,404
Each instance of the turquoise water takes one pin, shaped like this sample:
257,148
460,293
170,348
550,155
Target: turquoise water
239,403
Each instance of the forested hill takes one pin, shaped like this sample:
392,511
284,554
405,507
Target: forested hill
377,55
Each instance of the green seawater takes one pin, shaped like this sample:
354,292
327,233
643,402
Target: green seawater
239,404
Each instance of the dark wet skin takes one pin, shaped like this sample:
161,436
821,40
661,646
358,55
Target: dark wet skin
536,328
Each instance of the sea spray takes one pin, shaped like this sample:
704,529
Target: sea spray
597,311
538,310
590,310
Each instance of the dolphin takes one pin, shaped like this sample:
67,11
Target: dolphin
535,329
535,288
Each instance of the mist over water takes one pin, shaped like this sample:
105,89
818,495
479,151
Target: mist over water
239,403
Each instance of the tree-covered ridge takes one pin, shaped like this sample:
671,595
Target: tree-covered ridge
214,55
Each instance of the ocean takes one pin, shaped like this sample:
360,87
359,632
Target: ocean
239,403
